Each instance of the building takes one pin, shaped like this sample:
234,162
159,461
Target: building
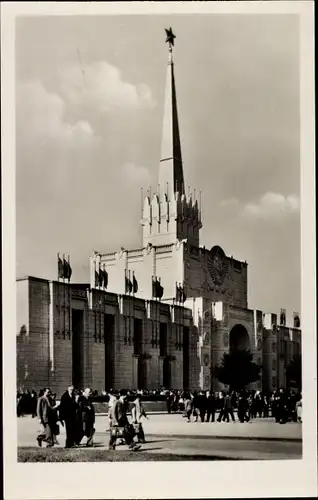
160,315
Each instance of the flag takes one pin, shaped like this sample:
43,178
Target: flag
180,294
60,268
154,287
105,278
157,289
183,295
177,293
100,278
283,317
128,284
296,320
67,270
135,284
96,279
160,290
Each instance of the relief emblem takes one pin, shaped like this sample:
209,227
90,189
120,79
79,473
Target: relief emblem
218,266
206,359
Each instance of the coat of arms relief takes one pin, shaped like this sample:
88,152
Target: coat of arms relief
218,266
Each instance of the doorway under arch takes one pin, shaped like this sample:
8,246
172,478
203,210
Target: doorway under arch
239,338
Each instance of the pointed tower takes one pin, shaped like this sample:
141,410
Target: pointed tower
171,169
170,214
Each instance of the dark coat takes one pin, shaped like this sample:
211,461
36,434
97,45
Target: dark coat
211,402
88,414
119,413
45,411
67,409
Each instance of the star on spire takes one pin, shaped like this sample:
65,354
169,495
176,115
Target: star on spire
170,37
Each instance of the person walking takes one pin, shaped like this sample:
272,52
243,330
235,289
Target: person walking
137,413
67,411
33,403
265,406
196,406
227,409
120,424
188,408
46,417
210,406
202,405
242,408
88,415
111,400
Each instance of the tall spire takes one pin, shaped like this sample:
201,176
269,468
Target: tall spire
171,169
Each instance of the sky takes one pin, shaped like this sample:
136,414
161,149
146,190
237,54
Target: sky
89,106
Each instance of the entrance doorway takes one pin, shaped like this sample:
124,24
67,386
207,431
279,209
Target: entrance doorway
78,348
141,374
163,339
109,336
239,339
166,376
138,351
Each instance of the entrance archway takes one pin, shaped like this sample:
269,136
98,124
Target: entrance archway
239,339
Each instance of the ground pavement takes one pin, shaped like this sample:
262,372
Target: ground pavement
258,439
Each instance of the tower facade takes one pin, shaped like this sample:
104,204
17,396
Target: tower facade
170,214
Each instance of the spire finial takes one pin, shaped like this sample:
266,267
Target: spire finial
170,38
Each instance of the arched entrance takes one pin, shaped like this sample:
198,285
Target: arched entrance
239,339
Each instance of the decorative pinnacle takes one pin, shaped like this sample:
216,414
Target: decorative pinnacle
170,38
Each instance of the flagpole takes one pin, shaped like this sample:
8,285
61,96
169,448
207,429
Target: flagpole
152,321
58,267
69,298
58,293
158,320
100,313
69,269
129,318
64,299
133,303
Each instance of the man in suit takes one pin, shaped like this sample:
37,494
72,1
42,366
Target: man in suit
67,411
227,409
210,406
45,414
88,415
120,423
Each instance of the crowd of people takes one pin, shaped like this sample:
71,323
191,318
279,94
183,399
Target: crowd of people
283,405
75,411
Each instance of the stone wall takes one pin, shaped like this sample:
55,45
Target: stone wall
33,368
23,332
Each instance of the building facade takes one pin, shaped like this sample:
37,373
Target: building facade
161,315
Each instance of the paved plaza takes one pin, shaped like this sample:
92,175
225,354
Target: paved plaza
171,434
